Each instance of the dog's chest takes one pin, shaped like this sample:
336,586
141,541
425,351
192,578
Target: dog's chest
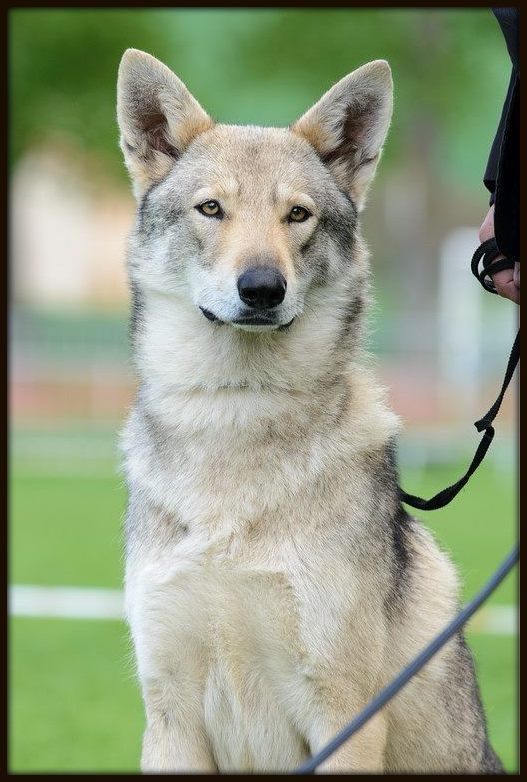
255,667
223,478
244,606
227,598
233,627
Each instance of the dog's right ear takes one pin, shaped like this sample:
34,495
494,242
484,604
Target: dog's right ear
157,115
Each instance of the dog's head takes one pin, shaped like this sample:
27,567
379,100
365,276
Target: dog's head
246,223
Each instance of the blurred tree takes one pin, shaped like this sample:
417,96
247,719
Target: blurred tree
450,71
63,66
264,66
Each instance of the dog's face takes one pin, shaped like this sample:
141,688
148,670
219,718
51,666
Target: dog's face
242,222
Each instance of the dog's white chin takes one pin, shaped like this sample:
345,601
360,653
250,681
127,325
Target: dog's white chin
248,327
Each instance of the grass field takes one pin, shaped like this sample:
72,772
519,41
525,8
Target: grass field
74,702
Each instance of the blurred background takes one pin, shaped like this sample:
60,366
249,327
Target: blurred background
440,342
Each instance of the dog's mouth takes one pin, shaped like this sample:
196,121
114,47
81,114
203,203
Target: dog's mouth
210,315
254,321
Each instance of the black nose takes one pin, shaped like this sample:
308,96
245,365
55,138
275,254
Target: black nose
262,287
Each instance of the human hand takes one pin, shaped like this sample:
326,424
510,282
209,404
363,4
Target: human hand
507,281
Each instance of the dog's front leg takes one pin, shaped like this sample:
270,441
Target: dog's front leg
175,740
172,748
364,752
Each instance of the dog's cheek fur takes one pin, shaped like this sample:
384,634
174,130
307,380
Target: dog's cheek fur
341,225
163,244
331,249
154,219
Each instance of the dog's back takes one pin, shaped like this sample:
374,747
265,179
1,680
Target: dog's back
273,581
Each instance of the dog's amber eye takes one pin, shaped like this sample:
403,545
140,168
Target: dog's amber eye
298,214
210,209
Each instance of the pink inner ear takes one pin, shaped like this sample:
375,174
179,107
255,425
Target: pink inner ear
354,129
156,132
360,118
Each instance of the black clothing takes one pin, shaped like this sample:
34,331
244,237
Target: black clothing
502,176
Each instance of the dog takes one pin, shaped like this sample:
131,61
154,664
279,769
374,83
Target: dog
274,582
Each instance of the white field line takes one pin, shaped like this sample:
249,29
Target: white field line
65,602
85,603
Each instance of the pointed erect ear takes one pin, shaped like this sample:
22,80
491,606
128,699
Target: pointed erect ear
157,115
348,125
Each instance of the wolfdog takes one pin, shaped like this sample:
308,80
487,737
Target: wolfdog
274,583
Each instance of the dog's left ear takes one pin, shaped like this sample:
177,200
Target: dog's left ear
348,125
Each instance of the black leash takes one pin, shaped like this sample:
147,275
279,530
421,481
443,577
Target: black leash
386,694
487,252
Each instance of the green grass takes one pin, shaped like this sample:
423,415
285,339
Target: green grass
66,530
479,528
497,668
74,703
